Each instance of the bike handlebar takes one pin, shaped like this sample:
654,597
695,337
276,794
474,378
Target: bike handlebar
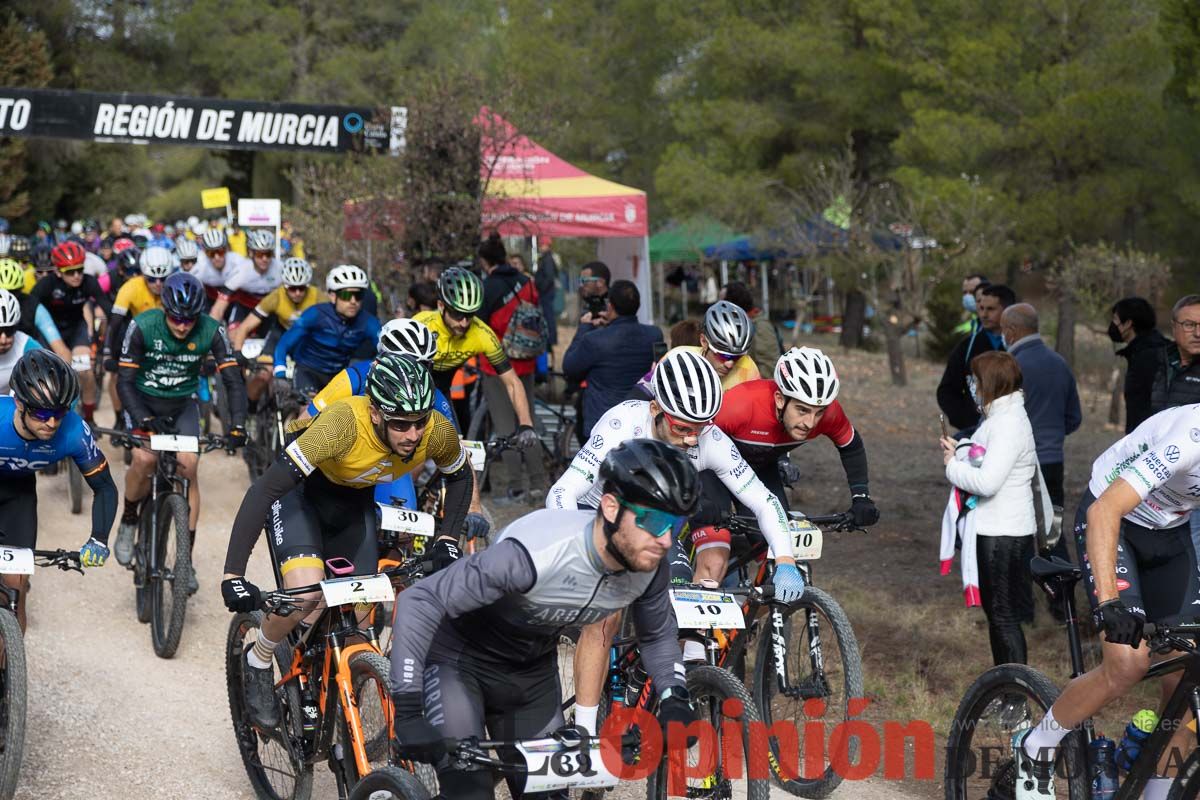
66,560
283,601
208,442
473,751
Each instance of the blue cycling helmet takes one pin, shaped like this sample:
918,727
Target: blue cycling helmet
183,295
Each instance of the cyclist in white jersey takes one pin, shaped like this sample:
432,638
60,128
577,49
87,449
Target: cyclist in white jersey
13,343
1139,556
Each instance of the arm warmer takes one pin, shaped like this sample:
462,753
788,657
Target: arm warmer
104,503
278,480
854,462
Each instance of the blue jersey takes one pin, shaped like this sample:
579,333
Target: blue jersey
324,341
19,456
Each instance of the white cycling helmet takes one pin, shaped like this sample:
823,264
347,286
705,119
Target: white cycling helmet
346,276
296,272
806,374
686,386
260,240
214,239
728,328
10,309
408,337
156,262
186,249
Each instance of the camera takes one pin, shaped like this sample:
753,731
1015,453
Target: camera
596,304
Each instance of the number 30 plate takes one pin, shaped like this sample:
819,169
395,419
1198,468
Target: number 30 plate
698,610
403,520
806,540
357,589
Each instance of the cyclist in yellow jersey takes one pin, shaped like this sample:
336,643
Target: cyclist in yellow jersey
318,500
461,334
281,307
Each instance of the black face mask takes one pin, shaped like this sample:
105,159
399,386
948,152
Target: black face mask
1114,333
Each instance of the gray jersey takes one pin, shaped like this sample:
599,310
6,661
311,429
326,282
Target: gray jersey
509,603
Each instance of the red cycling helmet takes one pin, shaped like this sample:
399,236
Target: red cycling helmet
67,254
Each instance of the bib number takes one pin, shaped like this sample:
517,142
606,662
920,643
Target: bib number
81,362
405,520
174,443
552,765
16,561
357,589
477,453
807,540
252,348
702,610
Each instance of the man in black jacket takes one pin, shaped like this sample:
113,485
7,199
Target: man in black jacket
1177,380
1135,324
953,395
544,278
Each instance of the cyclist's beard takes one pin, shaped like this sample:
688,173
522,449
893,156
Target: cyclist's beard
610,530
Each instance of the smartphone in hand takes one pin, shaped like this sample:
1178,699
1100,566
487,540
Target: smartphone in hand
942,419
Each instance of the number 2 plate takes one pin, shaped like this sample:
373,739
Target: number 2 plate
175,443
404,520
552,765
806,540
16,561
357,589
699,610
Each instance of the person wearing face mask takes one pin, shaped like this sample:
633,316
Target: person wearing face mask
970,289
953,394
1135,325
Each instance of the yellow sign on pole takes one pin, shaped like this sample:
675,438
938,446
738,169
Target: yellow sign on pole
215,198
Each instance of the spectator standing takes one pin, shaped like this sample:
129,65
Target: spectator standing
1177,377
970,297
767,347
953,396
611,357
545,279
1135,325
422,296
504,289
997,466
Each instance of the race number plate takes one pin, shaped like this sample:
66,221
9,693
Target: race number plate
175,443
252,348
357,589
81,362
552,765
806,540
16,561
477,453
702,609
405,520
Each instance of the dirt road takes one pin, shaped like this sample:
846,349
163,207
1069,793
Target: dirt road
108,719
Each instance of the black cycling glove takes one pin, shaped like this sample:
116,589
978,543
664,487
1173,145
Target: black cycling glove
416,739
444,553
158,424
863,510
677,707
1118,623
240,595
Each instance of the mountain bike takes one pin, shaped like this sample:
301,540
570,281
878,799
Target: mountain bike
1012,697
333,687
162,552
267,425
13,671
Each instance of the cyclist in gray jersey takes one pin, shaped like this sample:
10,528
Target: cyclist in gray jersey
474,645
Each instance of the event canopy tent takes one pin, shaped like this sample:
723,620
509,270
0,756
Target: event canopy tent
686,241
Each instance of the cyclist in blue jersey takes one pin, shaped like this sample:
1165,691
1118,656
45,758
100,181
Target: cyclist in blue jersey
324,339
37,429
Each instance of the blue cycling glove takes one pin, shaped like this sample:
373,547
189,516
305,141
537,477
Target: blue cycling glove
93,553
789,583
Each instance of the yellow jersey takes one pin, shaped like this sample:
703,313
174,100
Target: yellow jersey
453,351
343,445
744,369
31,279
134,297
280,304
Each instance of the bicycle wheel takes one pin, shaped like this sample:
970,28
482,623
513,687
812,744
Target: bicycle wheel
389,783
256,453
13,701
141,566
169,589
75,487
1000,702
813,671
710,687
274,764
1187,783
370,677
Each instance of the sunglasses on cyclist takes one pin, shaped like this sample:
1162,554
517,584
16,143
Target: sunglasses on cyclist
154,280
349,295
264,253
47,414
8,330
405,425
723,357
71,270
457,316
683,427
654,521
181,321
296,289
211,253
187,262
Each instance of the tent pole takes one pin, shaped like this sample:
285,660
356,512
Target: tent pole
724,272
766,306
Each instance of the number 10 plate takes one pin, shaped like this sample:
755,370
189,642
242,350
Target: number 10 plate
699,610
806,540
357,589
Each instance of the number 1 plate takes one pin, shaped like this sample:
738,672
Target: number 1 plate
806,540
477,453
405,520
699,610
553,765
357,589
175,443
16,561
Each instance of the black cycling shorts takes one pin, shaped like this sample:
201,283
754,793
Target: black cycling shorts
18,511
307,381
184,411
75,334
1156,569
320,519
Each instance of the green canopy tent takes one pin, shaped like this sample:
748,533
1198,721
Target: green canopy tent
685,241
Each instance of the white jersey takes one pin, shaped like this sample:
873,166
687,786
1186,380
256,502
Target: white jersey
22,344
580,484
93,265
211,276
1160,459
245,278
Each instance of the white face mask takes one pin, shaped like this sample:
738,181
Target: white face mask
1004,342
974,392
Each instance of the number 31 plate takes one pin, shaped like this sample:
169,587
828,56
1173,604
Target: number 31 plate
16,561
698,610
357,589
806,540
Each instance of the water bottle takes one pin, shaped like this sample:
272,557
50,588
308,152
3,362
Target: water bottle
1104,768
1136,733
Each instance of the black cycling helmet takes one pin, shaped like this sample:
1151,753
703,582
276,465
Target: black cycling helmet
183,295
651,473
18,248
42,380
41,259
129,262
398,385
461,290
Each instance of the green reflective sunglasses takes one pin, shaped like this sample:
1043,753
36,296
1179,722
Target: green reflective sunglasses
655,521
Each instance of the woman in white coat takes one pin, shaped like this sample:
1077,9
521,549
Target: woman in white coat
1002,480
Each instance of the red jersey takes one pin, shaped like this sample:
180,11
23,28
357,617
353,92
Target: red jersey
748,416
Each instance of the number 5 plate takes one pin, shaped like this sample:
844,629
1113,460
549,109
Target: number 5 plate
16,561
806,540
357,589
698,610
175,443
552,765
404,520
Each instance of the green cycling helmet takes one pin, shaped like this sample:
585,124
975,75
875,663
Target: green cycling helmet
12,275
461,289
399,385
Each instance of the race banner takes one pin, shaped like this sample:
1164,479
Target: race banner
200,122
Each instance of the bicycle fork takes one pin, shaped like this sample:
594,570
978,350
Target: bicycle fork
814,686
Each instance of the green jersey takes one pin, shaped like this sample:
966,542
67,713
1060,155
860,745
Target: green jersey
167,366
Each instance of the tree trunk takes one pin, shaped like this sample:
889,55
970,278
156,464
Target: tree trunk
1117,394
853,316
892,335
1064,342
